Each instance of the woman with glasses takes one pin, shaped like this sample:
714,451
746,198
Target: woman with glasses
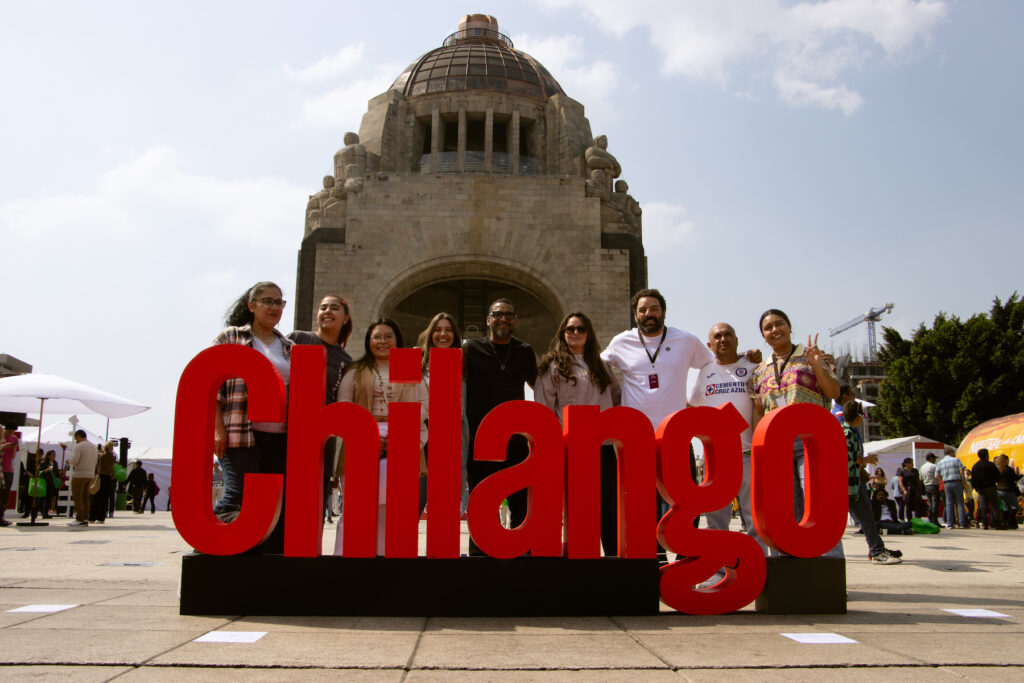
241,445
367,383
572,373
333,328
443,333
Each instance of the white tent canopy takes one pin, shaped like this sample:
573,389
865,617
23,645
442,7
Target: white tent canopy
23,393
892,452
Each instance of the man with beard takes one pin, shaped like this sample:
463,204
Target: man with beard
494,369
654,361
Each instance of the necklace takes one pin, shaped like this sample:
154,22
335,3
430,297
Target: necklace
501,363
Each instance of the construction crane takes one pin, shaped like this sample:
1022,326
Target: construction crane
872,316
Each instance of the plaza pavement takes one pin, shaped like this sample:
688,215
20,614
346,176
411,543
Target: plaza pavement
120,579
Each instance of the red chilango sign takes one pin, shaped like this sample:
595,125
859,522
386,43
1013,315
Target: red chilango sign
561,474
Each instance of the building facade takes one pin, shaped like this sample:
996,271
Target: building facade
473,177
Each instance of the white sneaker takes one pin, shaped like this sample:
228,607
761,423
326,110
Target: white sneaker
77,523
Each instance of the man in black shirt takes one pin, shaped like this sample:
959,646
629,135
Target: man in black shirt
984,476
495,368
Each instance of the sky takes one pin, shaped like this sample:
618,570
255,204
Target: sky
819,157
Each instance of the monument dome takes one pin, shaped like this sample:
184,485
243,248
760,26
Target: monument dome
473,177
477,57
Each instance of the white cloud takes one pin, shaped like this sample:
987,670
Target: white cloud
151,191
665,225
345,59
343,107
801,93
813,43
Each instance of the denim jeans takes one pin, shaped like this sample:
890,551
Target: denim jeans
861,505
234,465
798,493
932,491
955,504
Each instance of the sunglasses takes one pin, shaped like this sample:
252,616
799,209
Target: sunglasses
499,315
572,329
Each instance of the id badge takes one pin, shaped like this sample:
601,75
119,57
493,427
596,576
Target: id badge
652,380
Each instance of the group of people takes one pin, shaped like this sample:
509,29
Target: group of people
653,360
945,492
85,463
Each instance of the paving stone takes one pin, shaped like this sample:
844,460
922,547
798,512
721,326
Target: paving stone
547,676
762,649
539,625
176,674
852,674
125,618
529,651
82,646
63,673
337,649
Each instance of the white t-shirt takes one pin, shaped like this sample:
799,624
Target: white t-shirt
681,351
274,352
717,385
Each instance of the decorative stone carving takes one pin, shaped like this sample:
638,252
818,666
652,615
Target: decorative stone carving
602,168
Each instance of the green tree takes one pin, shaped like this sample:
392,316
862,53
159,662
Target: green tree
944,381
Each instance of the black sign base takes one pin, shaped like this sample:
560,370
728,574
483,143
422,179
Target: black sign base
273,585
798,585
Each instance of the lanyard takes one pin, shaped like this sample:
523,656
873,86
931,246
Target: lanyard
657,350
778,371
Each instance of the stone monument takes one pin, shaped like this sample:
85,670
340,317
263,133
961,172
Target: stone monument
474,176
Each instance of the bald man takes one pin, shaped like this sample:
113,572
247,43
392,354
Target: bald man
725,381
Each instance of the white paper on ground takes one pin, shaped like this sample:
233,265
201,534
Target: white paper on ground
230,637
977,613
817,638
42,608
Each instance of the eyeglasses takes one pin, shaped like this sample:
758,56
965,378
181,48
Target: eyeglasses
267,301
573,329
503,315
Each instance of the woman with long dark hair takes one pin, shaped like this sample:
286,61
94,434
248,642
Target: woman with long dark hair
442,332
333,328
244,446
570,373
367,383
791,374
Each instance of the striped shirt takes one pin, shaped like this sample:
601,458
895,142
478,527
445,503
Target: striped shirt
949,469
232,396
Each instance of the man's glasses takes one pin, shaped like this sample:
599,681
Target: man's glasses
267,301
503,315
573,329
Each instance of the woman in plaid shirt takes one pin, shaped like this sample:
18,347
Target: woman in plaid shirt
243,446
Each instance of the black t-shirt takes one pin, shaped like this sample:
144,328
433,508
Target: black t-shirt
337,360
494,374
911,478
984,474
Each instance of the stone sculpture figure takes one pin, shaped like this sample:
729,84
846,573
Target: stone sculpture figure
350,163
602,168
624,202
320,202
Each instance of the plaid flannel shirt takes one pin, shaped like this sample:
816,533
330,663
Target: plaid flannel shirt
232,396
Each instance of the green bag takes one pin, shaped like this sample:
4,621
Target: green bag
37,487
120,473
923,526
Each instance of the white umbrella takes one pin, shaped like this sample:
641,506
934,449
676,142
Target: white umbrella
20,393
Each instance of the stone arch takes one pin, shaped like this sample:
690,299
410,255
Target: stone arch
542,306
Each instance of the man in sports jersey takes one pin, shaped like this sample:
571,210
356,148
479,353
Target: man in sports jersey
725,381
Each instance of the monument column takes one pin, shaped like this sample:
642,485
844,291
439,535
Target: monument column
435,141
461,154
489,140
513,142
